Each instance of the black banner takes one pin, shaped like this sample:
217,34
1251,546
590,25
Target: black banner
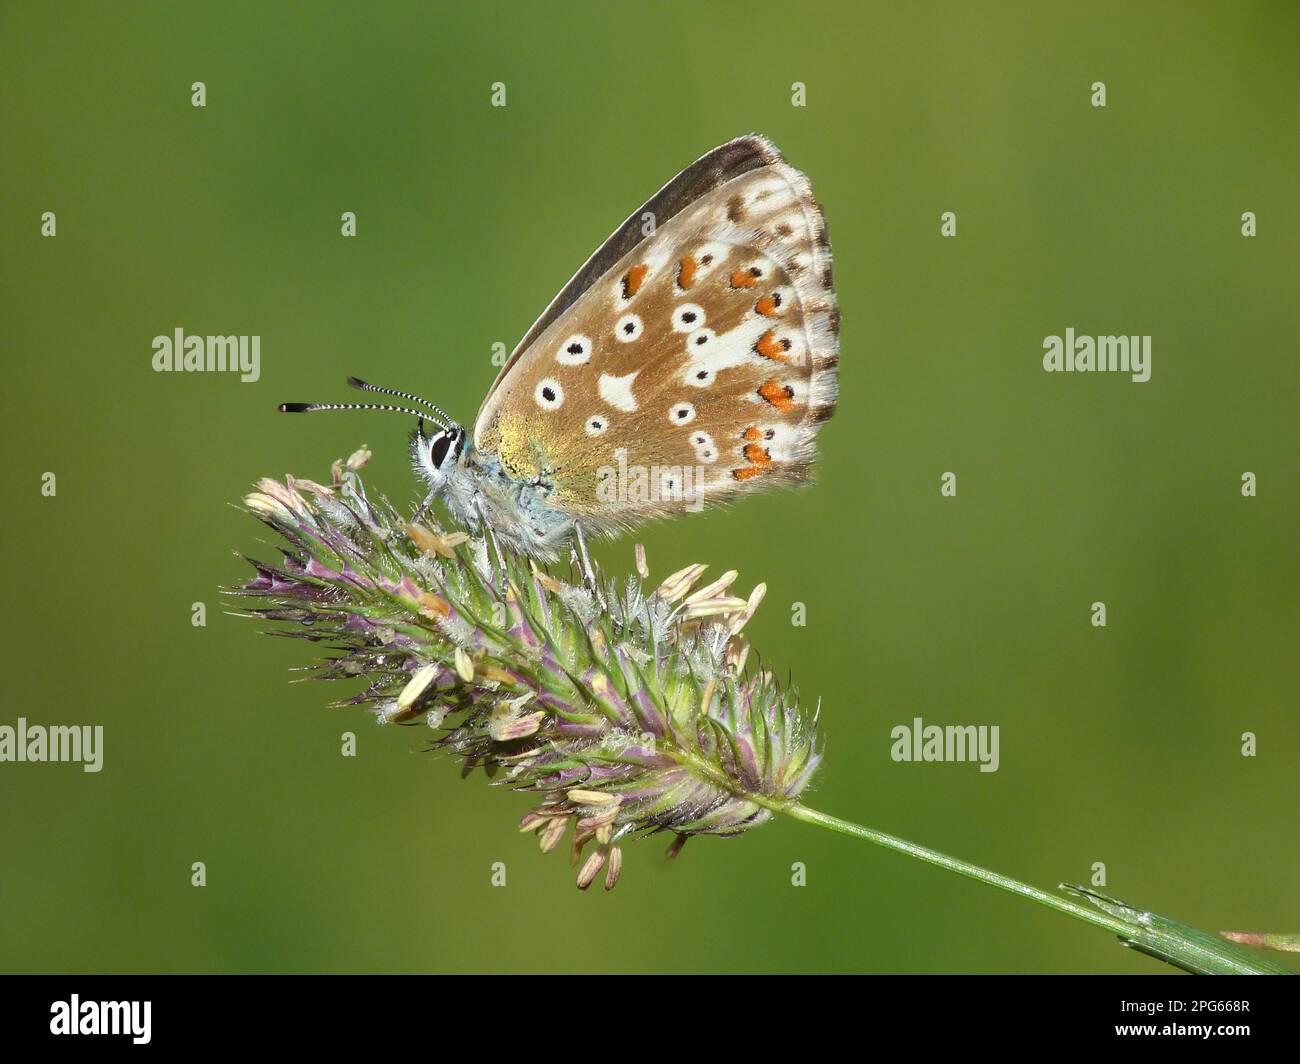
794,1014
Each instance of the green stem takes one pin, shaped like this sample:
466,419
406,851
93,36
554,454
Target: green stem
963,868
1158,936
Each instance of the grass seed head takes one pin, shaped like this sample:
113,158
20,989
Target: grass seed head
626,712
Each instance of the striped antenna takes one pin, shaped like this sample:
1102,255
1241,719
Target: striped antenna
358,383
310,408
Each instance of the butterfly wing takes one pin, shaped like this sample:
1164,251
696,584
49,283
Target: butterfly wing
686,366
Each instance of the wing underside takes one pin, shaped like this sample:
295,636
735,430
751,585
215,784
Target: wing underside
686,366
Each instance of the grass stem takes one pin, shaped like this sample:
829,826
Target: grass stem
1167,940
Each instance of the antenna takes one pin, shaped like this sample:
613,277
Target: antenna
359,384
311,408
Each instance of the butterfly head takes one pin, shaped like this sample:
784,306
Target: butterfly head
436,455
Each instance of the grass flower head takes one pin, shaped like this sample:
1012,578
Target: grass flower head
625,709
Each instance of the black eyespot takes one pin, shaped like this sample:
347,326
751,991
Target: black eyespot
682,413
755,271
548,394
574,349
701,340
689,316
702,375
438,451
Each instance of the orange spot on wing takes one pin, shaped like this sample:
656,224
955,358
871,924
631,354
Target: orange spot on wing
778,394
686,272
758,457
770,347
743,279
766,306
633,279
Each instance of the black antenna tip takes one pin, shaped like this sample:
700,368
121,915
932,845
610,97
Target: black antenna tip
357,382
294,408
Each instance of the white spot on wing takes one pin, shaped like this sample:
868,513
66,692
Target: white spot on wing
617,391
629,328
708,257
688,317
574,351
548,394
698,341
705,450
782,441
720,351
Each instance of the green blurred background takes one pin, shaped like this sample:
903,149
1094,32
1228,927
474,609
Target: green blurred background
1119,745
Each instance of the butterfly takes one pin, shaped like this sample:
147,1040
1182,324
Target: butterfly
690,360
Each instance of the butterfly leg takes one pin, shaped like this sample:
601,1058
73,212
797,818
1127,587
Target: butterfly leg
496,549
418,516
584,564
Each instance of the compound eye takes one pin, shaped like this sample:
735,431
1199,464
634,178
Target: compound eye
438,449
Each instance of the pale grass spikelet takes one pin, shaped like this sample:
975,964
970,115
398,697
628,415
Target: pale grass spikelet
627,712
